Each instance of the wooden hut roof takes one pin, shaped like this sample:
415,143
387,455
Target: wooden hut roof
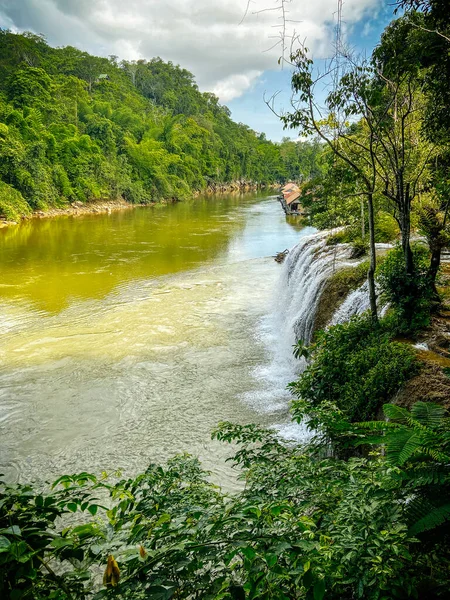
292,196
289,186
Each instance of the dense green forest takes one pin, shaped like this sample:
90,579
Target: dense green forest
75,127
361,510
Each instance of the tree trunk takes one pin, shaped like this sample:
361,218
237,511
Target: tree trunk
373,261
405,221
363,229
433,269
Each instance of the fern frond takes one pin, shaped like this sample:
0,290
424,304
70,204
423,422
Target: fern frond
378,425
372,439
428,414
431,516
435,454
401,446
396,413
426,474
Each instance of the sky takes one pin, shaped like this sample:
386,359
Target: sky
231,46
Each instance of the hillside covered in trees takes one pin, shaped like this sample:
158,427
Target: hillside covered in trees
75,127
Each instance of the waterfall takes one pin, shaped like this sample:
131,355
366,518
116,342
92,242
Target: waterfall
304,274
356,303
308,267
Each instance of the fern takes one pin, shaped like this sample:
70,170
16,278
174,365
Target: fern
402,446
428,414
424,474
396,413
416,442
430,516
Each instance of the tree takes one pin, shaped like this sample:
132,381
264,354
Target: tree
434,223
349,98
403,154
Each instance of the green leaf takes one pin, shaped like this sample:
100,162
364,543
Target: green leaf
319,589
271,559
13,530
4,544
164,518
72,506
84,530
160,592
93,508
18,549
248,552
61,542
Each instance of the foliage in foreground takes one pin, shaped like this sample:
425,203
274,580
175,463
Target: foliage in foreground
307,525
355,366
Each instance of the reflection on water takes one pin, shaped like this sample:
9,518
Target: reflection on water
54,261
127,337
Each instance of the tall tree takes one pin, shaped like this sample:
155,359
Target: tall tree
349,98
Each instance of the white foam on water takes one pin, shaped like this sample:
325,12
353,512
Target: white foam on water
304,274
356,303
421,346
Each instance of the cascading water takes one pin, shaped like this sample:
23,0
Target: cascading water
305,272
308,267
356,303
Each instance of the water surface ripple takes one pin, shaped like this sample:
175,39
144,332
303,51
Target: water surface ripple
127,337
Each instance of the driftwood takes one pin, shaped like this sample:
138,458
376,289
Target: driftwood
280,256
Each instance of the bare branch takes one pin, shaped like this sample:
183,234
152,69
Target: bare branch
431,31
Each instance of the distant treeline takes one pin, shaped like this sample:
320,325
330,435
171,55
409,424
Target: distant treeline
76,127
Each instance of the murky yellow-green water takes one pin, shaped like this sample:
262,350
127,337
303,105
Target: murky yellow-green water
126,337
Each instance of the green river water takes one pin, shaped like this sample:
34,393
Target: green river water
125,338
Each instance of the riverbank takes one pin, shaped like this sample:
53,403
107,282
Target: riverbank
108,206
76,209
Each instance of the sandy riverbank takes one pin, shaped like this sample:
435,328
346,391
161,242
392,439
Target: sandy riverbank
76,209
108,206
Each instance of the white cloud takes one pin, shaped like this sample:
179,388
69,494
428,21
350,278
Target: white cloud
233,86
203,36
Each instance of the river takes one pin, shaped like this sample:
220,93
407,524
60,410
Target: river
127,337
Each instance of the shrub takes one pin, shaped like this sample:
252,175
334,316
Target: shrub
302,529
360,248
355,366
410,296
386,228
306,526
341,237
13,205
